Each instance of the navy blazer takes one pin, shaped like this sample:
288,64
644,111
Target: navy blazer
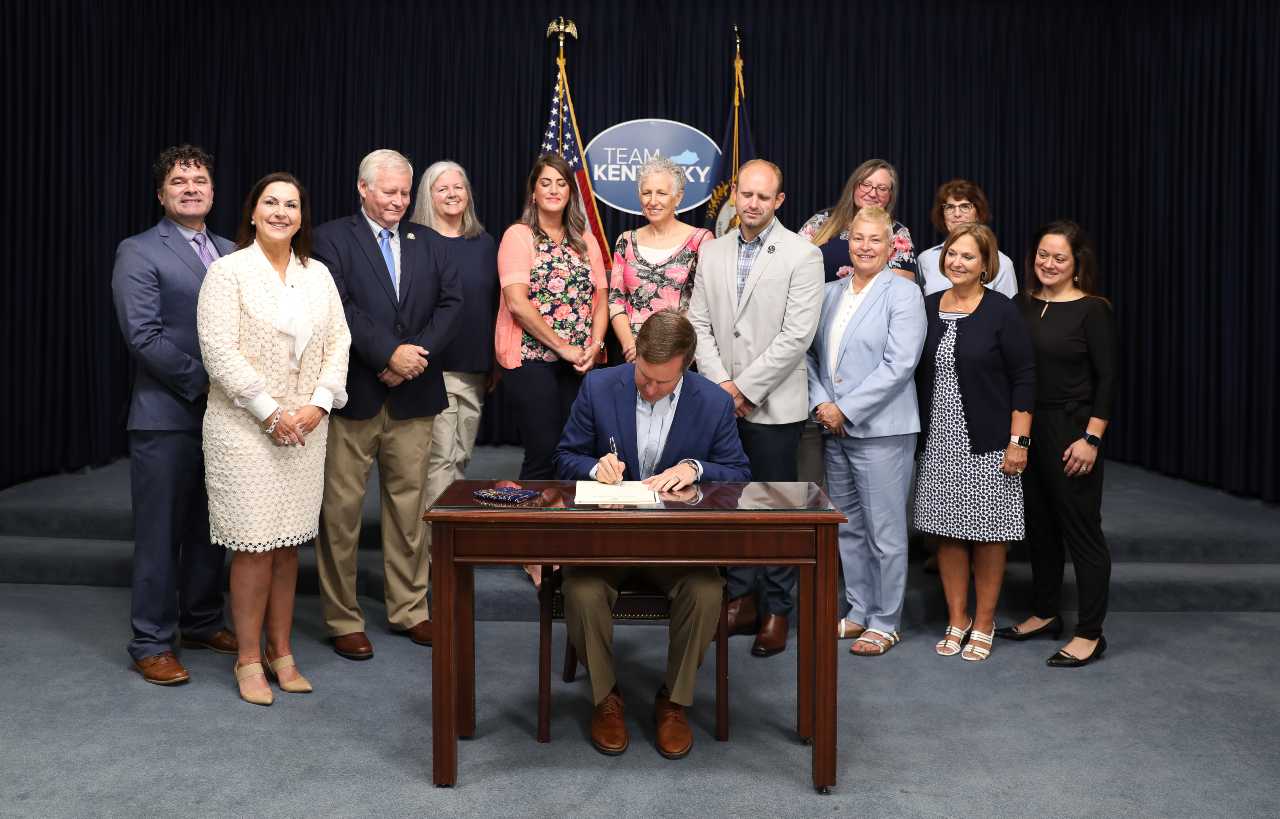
995,368
704,428
155,285
427,312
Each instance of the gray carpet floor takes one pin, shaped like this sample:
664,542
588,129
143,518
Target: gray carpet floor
1179,719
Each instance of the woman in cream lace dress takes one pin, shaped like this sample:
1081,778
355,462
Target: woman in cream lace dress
275,343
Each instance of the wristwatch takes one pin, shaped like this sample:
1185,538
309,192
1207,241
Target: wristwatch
1023,441
1092,440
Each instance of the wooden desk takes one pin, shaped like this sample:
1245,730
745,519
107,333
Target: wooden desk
733,524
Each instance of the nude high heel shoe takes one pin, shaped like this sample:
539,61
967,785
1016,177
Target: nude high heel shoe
298,686
243,671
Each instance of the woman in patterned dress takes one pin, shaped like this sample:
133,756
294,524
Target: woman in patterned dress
275,343
873,184
654,266
976,384
553,313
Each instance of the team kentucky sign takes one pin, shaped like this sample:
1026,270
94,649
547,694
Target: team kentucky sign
617,153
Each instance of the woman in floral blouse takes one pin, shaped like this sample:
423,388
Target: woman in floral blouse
873,184
653,266
553,313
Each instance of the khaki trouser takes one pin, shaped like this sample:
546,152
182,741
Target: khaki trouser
401,447
453,437
695,594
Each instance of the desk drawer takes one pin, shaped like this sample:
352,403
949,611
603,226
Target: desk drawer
496,543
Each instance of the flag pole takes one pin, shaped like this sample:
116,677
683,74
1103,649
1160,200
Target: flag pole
739,91
559,27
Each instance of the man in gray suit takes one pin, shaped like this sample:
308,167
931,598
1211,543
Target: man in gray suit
755,306
177,573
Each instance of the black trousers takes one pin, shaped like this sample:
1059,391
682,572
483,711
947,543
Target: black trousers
771,449
1064,514
177,573
543,395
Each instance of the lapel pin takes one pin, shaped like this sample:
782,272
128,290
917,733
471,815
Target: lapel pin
408,235
770,248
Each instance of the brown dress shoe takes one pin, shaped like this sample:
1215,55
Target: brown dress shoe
772,637
742,614
162,669
608,727
420,634
224,642
355,646
674,736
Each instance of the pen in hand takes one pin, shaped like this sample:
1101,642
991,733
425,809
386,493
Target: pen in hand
613,469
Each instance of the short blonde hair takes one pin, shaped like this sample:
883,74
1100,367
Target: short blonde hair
877,215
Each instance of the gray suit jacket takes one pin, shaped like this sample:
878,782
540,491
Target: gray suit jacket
759,341
875,359
155,285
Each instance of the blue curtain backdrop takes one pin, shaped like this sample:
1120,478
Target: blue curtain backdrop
1154,125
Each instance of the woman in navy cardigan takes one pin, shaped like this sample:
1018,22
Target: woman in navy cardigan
976,384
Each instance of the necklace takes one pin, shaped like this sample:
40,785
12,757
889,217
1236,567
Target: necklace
961,307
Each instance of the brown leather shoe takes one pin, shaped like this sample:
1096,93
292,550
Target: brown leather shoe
742,614
674,739
772,637
420,634
162,669
608,726
224,642
354,646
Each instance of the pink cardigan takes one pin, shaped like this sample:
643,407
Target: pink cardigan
515,260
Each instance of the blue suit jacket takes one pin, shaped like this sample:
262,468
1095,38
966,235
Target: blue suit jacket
155,285
704,428
877,357
426,313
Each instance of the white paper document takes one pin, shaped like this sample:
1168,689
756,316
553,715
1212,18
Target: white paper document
628,493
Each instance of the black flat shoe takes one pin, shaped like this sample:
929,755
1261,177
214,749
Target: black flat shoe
1064,660
1053,629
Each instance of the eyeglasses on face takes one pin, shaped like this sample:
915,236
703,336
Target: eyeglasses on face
963,208
867,187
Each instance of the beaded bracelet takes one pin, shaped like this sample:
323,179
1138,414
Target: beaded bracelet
275,419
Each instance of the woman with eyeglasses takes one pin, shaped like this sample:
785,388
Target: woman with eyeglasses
961,202
873,184
1073,335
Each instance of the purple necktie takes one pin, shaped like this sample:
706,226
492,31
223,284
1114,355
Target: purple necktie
202,249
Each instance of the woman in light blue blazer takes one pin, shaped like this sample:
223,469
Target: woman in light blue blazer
862,393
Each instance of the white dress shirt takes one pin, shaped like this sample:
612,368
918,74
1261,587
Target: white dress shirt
849,304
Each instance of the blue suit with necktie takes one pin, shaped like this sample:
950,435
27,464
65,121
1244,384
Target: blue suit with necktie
177,573
703,428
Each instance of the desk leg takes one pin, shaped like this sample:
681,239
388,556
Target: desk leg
804,655
465,629
824,662
444,706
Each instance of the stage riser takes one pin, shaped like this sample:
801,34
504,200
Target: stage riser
504,593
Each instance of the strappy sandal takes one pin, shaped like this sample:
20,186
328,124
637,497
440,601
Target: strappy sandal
952,640
882,640
249,670
975,651
847,629
300,685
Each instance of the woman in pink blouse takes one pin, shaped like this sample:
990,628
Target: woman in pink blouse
553,314
653,267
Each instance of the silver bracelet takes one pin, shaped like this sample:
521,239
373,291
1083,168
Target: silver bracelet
275,419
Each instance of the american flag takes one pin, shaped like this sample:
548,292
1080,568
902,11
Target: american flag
561,137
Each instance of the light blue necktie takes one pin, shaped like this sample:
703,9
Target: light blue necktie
384,242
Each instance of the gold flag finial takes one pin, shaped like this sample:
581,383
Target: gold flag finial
559,27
